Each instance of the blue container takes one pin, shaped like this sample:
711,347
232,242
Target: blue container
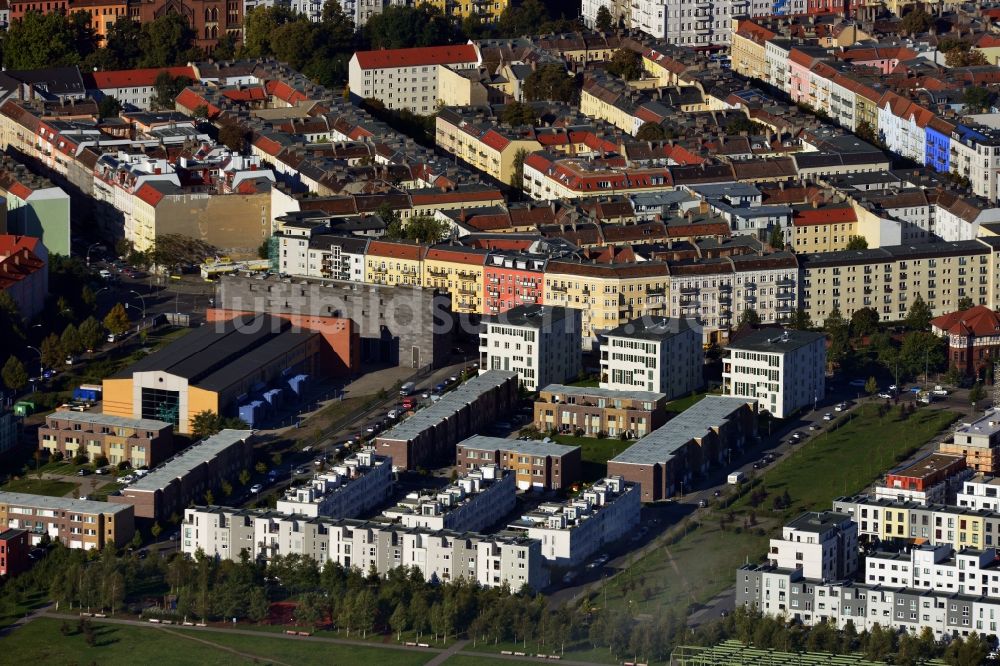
252,412
297,384
274,397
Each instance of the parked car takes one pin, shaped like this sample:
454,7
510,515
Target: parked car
256,488
857,383
940,391
886,395
798,436
841,407
828,416
569,577
702,503
82,472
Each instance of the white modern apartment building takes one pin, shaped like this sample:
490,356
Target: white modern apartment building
822,545
980,492
541,343
571,532
358,484
938,568
473,503
308,248
491,561
406,78
785,370
682,22
654,353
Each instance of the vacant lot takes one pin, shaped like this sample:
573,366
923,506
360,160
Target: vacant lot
49,487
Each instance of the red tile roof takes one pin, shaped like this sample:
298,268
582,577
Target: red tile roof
495,140
455,256
135,78
149,194
409,251
427,55
824,215
976,321
18,259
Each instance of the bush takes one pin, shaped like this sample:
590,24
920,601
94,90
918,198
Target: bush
56,456
80,459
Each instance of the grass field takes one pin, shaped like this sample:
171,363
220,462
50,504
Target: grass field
846,460
34,486
42,640
703,562
679,405
595,453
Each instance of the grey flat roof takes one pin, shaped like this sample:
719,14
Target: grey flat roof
535,316
693,423
190,458
818,521
109,420
611,394
987,424
448,405
775,340
532,447
61,503
651,328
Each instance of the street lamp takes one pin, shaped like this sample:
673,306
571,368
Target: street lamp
41,370
141,300
92,246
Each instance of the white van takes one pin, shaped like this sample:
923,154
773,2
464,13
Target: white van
735,478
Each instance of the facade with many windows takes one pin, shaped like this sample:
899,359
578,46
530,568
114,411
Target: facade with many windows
540,343
654,354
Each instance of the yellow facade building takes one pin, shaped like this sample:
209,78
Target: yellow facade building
395,263
824,229
482,146
459,271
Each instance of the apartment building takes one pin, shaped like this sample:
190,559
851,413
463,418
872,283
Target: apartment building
890,278
541,343
823,545
654,354
980,492
572,531
14,549
596,412
430,435
395,263
485,146
490,561
716,291
932,479
76,523
406,78
135,88
457,270
973,338
826,229
474,502
541,465
607,295
512,279
978,441
138,442
908,522
939,568
357,484
784,369
664,461
309,247
188,476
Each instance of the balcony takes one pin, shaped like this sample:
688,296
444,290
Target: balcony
787,282
689,291
786,295
557,288
437,272
750,298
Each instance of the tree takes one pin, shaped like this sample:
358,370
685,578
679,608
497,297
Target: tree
748,317
257,604
865,321
918,316
399,621
14,375
167,41
857,243
976,393
866,132
604,21
70,340
840,336
965,56
626,63
517,174
399,27
156,530
121,46
205,424
519,20
116,321
422,229
916,22
227,488
91,333
53,355
977,99
109,107
48,40
166,88
233,136
519,113
800,320
871,386
777,240
650,131
964,303
550,82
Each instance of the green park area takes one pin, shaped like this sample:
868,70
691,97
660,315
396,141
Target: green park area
50,487
700,557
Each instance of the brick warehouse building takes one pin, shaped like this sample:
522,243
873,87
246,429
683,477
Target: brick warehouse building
973,337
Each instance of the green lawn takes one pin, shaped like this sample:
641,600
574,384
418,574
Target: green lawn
42,641
595,453
590,382
101,494
703,562
679,405
36,486
580,650
849,458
